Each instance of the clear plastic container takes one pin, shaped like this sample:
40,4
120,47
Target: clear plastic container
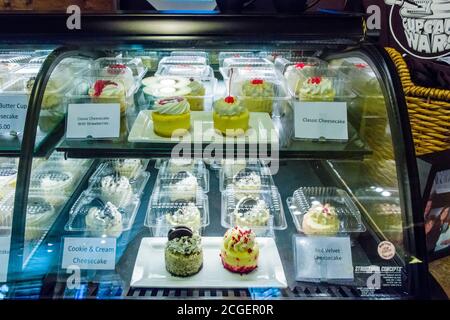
258,209
348,215
149,58
14,58
108,172
96,218
182,186
39,59
198,91
176,170
260,90
30,69
175,165
129,71
298,65
184,60
230,64
54,181
230,164
234,54
8,175
334,86
84,91
164,213
245,175
41,213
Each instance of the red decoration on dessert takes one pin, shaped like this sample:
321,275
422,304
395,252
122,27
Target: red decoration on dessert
361,65
300,65
100,85
257,81
229,100
169,100
241,270
117,68
315,80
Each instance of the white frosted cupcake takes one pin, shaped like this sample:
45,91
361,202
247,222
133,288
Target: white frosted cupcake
117,190
184,188
251,212
246,183
188,216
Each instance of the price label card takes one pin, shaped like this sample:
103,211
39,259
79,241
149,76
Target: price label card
4,257
13,111
93,120
323,258
89,253
321,120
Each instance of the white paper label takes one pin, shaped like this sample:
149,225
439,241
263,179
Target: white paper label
321,120
4,257
93,120
327,258
89,253
13,111
442,182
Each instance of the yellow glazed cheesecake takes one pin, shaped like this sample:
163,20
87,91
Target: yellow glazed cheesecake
171,115
240,250
230,117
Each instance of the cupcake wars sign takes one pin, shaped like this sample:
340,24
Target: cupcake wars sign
421,27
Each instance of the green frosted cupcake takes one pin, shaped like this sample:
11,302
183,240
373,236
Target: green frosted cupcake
257,95
197,96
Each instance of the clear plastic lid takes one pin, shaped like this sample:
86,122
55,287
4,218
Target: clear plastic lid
113,67
234,54
185,60
257,209
188,71
30,69
328,210
165,213
8,175
230,64
170,175
183,186
190,54
53,181
175,165
149,58
298,65
92,215
110,178
14,58
245,176
228,164
39,59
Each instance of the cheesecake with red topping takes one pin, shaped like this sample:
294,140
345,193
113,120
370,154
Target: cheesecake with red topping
240,251
257,95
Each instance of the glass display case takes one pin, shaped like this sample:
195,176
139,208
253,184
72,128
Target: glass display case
145,170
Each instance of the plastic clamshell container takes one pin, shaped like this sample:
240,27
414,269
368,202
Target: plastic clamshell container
167,86
231,173
74,166
41,213
230,64
348,214
188,71
184,60
237,211
167,177
107,169
14,58
228,164
164,213
149,58
39,59
175,165
8,176
298,64
260,90
90,199
318,76
234,54
60,182
30,69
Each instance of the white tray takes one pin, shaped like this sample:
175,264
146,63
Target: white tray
150,270
264,131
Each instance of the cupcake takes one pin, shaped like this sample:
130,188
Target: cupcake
250,212
296,75
196,96
246,182
119,73
104,219
116,189
171,116
258,95
40,214
183,252
230,117
184,187
129,168
188,215
316,89
54,184
320,220
106,91
240,250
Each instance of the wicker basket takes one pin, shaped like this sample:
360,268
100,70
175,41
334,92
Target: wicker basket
428,108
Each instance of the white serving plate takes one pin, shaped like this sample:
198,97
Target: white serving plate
150,270
202,130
